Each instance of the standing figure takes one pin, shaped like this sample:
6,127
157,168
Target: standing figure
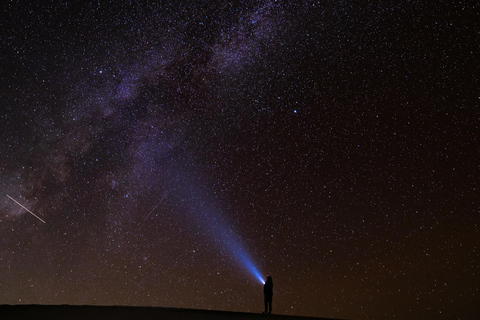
268,293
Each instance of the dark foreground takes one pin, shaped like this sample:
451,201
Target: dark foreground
124,313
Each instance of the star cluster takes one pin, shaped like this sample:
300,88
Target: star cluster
167,145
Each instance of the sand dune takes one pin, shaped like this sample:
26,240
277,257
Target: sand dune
124,313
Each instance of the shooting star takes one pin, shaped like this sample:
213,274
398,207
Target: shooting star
134,282
74,203
155,207
26,209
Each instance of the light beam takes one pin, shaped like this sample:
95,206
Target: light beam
26,209
247,262
232,242
206,214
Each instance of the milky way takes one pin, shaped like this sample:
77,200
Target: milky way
175,149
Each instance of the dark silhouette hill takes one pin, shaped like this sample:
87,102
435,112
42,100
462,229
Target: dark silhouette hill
127,313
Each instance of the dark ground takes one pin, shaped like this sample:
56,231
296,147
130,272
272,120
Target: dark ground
120,312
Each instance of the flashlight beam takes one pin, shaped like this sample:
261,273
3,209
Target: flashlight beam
26,209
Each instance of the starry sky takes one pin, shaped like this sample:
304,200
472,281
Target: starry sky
172,148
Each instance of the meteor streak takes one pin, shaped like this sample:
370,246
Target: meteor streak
26,209
155,207
134,282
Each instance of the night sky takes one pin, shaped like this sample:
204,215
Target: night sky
172,148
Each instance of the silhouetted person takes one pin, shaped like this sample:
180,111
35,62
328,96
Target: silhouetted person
268,293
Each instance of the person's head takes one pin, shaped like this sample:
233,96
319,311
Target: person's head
269,278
